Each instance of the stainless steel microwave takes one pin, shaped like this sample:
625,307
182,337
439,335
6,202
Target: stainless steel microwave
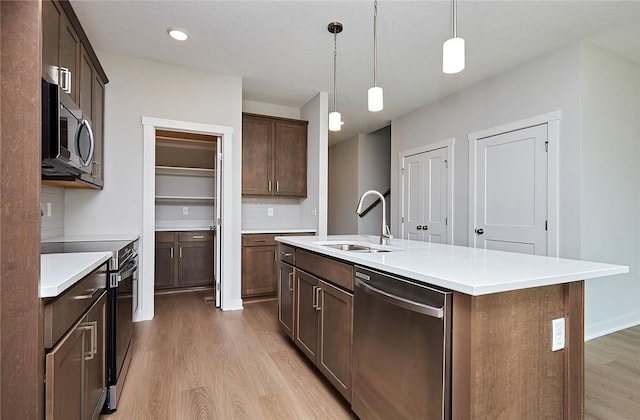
67,137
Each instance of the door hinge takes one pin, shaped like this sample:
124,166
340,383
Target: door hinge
402,171
446,163
402,219
546,225
446,221
220,156
546,146
219,221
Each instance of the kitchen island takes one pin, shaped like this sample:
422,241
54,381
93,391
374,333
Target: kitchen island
500,358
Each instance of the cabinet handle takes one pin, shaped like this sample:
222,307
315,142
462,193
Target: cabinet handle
92,327
318,294
198,236
171,252
259,240
89,295
285,254
180,252
269,185
66,77
277,186
313,297
290,281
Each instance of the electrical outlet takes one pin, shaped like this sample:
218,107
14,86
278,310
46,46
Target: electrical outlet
314,212
185,210
48,212
557,334
269,211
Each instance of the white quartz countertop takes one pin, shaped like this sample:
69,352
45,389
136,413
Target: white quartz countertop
90,238
58,272
472,271
277,230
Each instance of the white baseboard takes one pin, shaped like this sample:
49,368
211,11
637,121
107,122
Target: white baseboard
234,305
611,326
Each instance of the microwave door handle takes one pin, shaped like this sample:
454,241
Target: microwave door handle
86,124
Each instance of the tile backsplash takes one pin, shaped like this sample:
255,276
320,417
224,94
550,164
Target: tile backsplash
255,213
51,225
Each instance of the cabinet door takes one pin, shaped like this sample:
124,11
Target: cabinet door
95,358
290,154
336,330
285,297
63,387
257,150
196,264
86,85
258,270
69,56
50,41
164,265
97,116
306,313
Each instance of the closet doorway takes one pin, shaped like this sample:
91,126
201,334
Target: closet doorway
187,210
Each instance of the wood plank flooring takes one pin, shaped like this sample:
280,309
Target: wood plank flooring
196,362
612,376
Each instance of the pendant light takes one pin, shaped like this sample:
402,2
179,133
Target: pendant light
375,95
453,48
335,119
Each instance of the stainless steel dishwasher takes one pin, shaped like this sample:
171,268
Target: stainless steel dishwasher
401,348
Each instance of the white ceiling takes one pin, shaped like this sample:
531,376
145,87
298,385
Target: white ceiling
284,53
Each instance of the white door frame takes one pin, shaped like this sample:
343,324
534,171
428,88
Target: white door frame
449,144
146,285
552,120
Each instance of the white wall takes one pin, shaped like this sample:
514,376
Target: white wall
343,187
374,173
546,84
263,108
610,173
313,209
51,226
145,88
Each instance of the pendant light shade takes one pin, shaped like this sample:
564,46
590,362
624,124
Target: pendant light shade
335,119
453,49
375,94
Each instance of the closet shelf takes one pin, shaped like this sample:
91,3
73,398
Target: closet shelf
182,171
182,199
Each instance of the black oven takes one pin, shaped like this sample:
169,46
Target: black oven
67,137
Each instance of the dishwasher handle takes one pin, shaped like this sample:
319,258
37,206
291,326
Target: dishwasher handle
400,301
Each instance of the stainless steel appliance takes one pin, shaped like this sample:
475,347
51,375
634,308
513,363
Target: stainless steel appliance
122,286
67,137
401,348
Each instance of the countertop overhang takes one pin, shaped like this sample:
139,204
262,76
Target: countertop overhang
58,272
473,271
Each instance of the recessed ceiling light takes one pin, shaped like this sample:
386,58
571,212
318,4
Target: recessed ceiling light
177,34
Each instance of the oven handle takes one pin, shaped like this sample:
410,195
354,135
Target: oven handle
400,301
117,277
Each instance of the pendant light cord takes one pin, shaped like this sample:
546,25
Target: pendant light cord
335,56
454,23
375,43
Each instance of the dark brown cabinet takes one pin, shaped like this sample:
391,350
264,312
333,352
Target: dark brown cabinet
285,297
50,41
274,156
69,45
258,265
323,312
184,259
97,116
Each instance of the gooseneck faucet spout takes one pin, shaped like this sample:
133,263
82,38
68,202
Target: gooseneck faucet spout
385,233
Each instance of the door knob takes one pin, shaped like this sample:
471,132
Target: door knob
425,227
479,231
419,227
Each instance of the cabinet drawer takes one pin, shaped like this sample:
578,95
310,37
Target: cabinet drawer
287,254
165,237
334,271
259,239
65,310
196,236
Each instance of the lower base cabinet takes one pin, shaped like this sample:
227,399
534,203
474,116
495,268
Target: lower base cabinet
285,297
184,259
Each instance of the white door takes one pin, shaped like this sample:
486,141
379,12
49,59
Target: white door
425,196
217,214
511,191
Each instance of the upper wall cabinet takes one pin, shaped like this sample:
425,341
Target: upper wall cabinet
69,61
274,156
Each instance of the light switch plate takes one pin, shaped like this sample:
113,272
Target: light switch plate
269,211
557,334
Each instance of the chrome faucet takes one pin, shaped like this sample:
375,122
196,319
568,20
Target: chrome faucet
385,234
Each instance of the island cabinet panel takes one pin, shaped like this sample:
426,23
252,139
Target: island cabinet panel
306,314
335,271
503,366
285,297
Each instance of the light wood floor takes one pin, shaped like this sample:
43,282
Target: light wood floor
195,362
612,376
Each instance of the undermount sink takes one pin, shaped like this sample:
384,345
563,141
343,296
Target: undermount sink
356,247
